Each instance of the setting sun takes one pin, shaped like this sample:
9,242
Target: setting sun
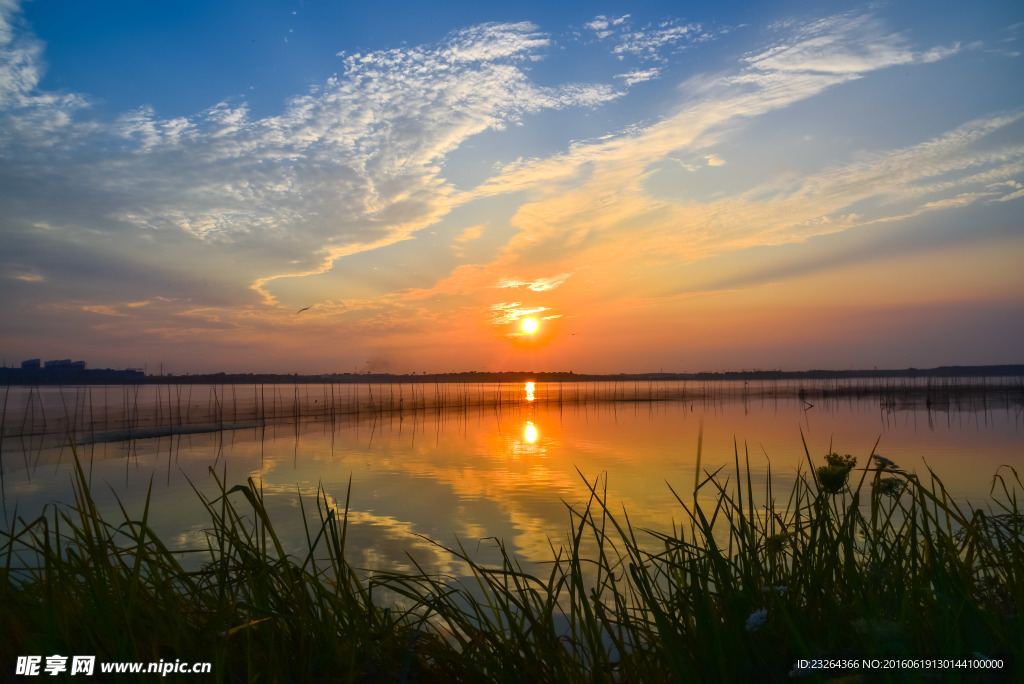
529,325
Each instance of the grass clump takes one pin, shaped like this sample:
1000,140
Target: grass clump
739,591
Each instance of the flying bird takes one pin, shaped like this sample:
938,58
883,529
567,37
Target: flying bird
305,308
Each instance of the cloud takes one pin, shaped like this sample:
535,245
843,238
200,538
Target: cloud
28,116
591,204
467,235
102,309
508,312
772,79
538,285
647,43
848,44
471,233
601,24
352,166
355,165
1012,196
1016,190
639,76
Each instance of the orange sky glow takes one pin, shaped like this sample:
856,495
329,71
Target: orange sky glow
795,191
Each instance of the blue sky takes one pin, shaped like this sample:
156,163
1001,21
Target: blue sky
664,185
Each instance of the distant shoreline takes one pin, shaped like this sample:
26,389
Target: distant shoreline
160,406
16,376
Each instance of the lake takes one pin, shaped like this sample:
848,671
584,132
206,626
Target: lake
433,461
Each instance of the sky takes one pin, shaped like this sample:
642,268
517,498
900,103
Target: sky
307,186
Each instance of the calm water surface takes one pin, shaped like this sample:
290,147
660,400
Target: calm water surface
504,470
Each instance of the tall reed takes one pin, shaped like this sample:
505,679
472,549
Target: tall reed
852,563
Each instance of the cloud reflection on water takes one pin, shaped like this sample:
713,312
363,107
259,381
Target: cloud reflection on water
506,471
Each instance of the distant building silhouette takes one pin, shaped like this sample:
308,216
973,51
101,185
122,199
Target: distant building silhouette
64,372
65,366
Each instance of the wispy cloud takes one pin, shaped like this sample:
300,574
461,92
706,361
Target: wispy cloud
28,277
848,44
471,233
649,42
509,312
538,285
28,116
350,167
102,309
591,204
639,76
467,235
603,26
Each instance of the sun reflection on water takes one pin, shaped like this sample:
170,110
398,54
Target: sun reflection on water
472,473
530,433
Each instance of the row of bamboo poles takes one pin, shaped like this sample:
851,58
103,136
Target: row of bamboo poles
113,413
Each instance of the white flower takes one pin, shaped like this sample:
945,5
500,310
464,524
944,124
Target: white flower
756,619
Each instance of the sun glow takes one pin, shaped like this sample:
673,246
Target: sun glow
529,325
